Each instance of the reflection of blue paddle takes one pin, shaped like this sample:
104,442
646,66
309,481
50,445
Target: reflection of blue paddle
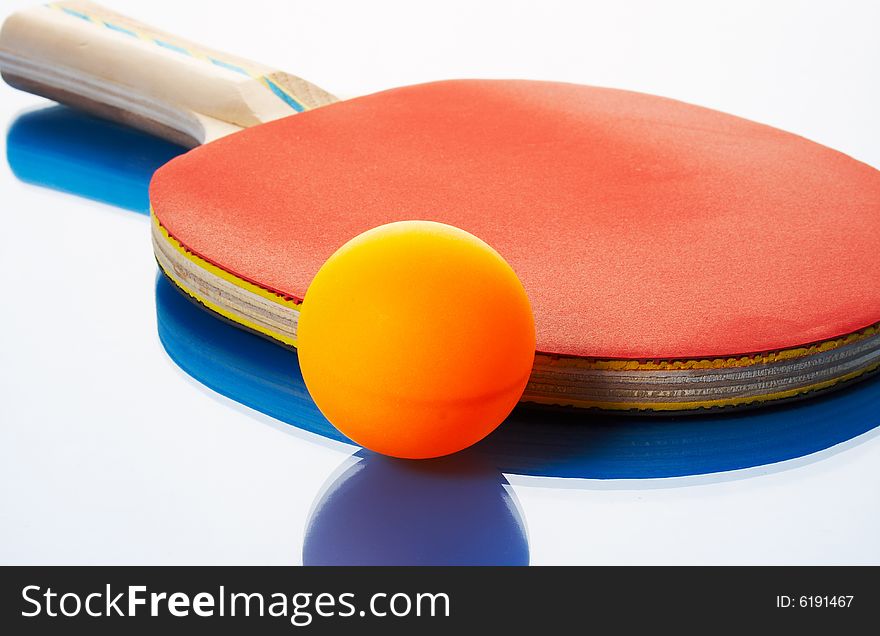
625,447
265,377
239,365
449,511
66,150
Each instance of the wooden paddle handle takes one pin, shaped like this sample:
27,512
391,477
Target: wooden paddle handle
89,57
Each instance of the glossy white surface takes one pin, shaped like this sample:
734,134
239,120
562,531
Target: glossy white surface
110,454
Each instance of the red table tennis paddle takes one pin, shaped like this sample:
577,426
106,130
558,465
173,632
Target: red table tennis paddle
676,257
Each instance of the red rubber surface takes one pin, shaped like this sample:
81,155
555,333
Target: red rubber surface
640,226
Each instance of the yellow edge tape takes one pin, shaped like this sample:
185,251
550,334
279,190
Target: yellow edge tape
705,404
547,359
716,363
228,314
222,273
234,317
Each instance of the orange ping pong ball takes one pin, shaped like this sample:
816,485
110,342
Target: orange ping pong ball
416,339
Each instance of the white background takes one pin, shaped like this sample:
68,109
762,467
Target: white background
110,454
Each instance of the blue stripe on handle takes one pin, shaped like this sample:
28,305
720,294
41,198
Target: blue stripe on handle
76,14
295,105
119,29
275,88
228,66
172,47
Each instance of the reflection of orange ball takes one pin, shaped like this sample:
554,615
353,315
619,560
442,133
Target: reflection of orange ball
416,339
